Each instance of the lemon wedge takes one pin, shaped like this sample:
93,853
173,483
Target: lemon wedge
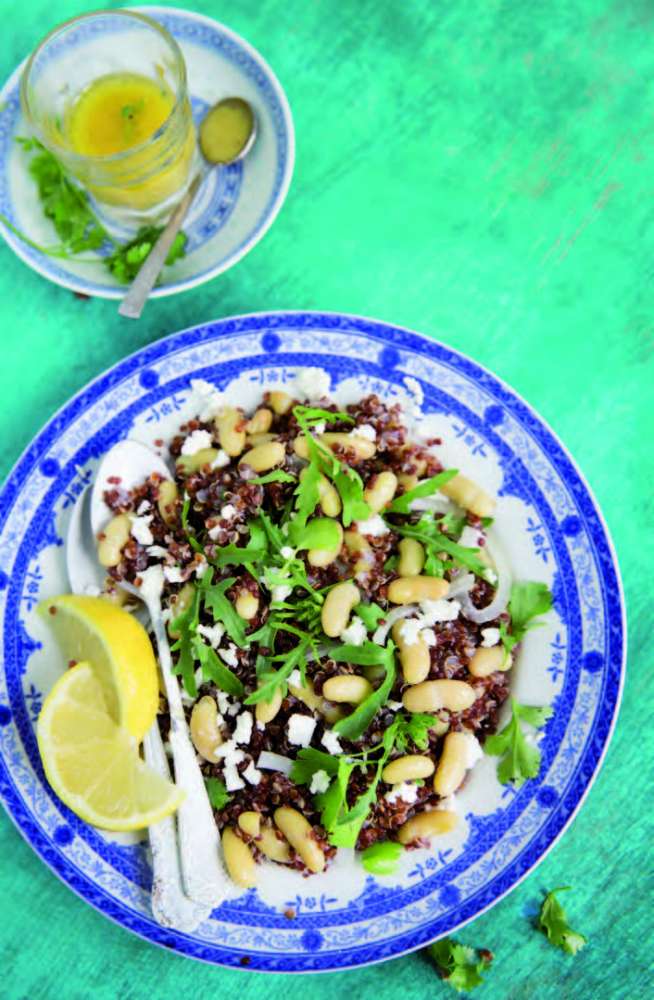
92,764
118,647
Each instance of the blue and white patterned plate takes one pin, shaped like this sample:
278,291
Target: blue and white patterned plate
549,526
235,206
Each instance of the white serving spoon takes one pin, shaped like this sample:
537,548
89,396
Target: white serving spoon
170,907
205,879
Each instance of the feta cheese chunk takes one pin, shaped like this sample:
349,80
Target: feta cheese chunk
286,552
474,751
228,512
280,593
229,655
300,729
410,630
251,774
152,581
470,537
206,400
295,679
197,441
140,529
173,574
490,637
449,804
319,782
366,431
374,526
243,729
331,741
312,383
441,610
407,791
221,460
355,633
157,551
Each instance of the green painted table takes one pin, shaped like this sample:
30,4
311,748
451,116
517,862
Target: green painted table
480,171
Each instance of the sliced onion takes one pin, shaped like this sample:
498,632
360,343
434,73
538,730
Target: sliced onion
461,584
393,616
274,762
502,593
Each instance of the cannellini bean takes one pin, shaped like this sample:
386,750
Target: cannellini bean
191,463
414,656
265,711
271,843
205,731
350,689
306,694
336,610
452,766
166,500
178,605
330,501
355,542
429,696
408,768
332,713
114,537
379,493
427,824
247,605
361,447
250,822
299,833
239,859
487,661
280,402
469,495
408,481
253,440
413,589
264,456
260,422
230,428
411,557
114,593
324,557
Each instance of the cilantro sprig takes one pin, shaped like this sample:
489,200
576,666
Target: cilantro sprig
527,601
217,792
460,966
520,759
553,922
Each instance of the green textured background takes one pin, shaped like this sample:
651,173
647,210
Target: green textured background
480,171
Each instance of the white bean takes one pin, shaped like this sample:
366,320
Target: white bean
230,428
166,500
239,859
486,661
299,833
413,589
469,495
408,768
264,456
452,766
455,696
427,824
411,557
350,689
113,539
414,656
381,490
336,610
205,731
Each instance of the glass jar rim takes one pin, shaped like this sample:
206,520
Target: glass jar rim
180,65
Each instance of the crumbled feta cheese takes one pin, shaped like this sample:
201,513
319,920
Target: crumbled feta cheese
439,611
229,655
449,804
461,584
355,633
473,750
140,529
300,729
233,780
410,630
196,441
143,507
407,791
221,460
229,752
428,636
320,427
374,526
228,512
157,551
280,593
394,706
312,383
243,729
470,537
286,552
366,431
319,782
152,581
434,503
207,401
173,574
295,679
234,709
200,567
261,726
490,637
490,576
199,676
251,774
223,700
331,741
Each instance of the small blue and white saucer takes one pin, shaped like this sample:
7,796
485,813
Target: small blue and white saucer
235,205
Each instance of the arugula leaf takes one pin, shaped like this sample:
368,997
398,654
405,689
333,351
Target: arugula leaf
213,597
218,794
276,476
185,625
273,533
236,555
527,601
308,761
402,504
520,760
308,491
458,965
349,484
273,680
319,533
414,730
354,725
370,614
453,524
383,857
553,922
427,532
214,669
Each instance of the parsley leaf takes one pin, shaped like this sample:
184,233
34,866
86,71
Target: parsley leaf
520,760
354,725
125,262
402,504
214,669
308,761
383,857
414,730
527,601
218,794
458,965
185,626
213,597
553,922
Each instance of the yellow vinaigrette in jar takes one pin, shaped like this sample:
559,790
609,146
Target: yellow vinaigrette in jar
120,112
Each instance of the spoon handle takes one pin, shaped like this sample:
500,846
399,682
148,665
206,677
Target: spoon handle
137,295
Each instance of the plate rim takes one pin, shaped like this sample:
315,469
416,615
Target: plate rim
161,348
76,284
